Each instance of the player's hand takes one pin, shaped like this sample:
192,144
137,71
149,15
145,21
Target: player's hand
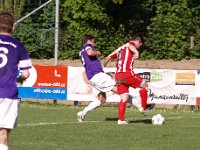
98,53
21,79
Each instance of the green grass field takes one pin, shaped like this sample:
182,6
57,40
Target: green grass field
55,127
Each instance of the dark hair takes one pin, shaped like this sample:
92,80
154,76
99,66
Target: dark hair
138,37
6,22
86,37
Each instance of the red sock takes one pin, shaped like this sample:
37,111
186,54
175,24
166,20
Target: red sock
121,110
143,96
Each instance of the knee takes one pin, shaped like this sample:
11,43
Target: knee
124,97
103,100
145,86
102,97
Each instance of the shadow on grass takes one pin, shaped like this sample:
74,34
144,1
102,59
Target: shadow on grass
145,121
111,119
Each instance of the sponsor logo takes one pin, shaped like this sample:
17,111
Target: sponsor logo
155,77
146,76
178,96
151,76
185,78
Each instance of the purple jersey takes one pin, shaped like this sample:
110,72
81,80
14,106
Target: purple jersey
12,54
91,63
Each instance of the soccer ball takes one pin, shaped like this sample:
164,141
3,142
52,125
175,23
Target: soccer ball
157,119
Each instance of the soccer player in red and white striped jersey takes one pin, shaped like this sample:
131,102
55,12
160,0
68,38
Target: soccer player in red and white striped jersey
125,76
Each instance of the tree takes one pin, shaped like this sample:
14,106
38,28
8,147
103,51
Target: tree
168,34
81,17
14,6
37,31
195,8
111,22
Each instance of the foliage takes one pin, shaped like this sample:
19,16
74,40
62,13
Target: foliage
81,18
165,24
168,34
98,18
37,33
14,6
195,51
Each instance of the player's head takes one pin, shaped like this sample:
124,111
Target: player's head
138,41
6,22
88,39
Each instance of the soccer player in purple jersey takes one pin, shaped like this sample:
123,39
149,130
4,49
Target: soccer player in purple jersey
100,82
13,55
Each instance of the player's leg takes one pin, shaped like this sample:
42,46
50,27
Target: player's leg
93,105
96,103
100,84
122,90
132,100
8,119
122,108
144,95
136,81
139,82
4,134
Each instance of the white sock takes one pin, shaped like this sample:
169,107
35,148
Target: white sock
135,102
3,147
91,106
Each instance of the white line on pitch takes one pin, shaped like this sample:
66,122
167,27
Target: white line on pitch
52,123
59,123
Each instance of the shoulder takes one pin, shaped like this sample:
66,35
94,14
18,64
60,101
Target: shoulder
9,40
131,43
87,46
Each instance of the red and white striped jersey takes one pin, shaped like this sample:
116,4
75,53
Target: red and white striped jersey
124,58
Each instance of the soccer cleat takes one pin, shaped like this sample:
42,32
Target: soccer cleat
120,122
80,116
144,112
150,106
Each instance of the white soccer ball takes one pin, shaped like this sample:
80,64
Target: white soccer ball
157,119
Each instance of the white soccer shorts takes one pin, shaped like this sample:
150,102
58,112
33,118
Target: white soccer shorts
101,82
9,112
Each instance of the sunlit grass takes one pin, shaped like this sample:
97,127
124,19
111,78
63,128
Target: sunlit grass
55,127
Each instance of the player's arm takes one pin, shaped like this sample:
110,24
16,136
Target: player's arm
92,52
24,66
111,56
134,50
106,60
24,75
85,78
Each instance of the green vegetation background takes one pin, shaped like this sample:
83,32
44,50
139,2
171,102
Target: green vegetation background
166,25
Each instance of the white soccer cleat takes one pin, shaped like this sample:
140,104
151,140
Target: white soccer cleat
80,116
122,122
